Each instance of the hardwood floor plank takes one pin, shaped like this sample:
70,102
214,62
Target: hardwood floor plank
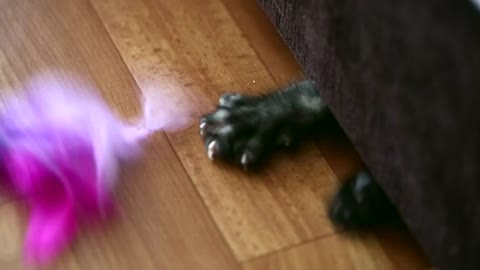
193,53
12,226
169,216
264,38
164,223
337,252
11,236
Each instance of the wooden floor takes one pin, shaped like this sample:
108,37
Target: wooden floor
179,209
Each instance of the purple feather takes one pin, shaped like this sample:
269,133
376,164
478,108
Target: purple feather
61,147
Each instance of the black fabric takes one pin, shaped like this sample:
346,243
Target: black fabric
403,80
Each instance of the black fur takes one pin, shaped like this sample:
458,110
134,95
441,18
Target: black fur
246,129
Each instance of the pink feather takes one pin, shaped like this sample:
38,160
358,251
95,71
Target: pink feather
61,148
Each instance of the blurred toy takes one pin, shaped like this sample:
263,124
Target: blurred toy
61,147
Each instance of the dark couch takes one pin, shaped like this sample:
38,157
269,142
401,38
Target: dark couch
403,80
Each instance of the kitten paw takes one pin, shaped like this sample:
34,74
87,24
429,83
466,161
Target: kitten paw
245,129
360,203
241,130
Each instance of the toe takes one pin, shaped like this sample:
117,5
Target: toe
230,100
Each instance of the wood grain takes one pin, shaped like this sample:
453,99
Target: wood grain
163,218
11,236
334,252
257,213
264,39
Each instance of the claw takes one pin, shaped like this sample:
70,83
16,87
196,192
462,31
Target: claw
244,160
222,101
202,128
212,148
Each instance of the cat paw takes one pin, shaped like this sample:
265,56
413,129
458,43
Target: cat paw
245,129
361,203
241,129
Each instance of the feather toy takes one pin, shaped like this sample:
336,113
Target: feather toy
61,147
